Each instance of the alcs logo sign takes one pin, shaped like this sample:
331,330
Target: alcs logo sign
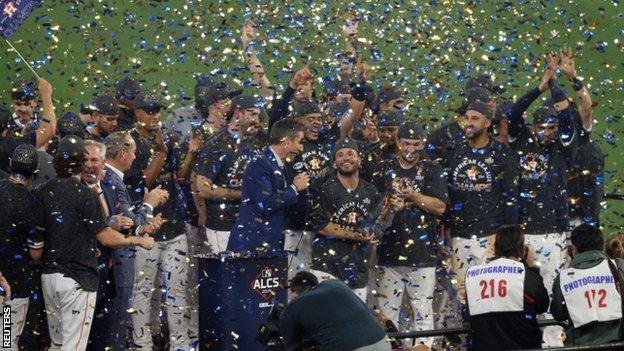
265,283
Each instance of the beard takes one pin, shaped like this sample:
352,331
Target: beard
347,173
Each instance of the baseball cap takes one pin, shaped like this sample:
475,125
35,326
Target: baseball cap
484,81
346,143
477,94
24,160
206,95
303,109
545,115
5,117
70,123
390,119
106,105
71,145
386,94
24,90
245,101
411,130
148,102
127,89
480,107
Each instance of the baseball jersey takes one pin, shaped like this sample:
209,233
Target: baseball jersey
543,175
344,259
73,218
174,209
483,189
21,228
410,240
223,161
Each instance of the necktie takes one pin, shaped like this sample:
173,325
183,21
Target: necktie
102,199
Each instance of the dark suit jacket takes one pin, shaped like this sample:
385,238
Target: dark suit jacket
265,197
118,199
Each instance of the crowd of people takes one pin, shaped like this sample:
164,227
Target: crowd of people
104,210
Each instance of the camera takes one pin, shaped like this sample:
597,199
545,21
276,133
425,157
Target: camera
269,332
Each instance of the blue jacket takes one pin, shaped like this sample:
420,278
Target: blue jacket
265,197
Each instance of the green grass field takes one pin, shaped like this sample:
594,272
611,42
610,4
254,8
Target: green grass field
426,47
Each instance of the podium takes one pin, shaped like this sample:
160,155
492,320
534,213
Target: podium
235,298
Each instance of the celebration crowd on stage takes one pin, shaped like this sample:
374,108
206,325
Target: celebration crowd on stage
491,218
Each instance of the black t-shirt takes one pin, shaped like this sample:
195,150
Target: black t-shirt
330,315
21,223
223,161
345,259
316,161
73,218
513,330
8,145
175,209
411,239
543,176
483,189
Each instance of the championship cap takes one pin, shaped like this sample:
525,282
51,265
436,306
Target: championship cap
303,109
480,107
106,105
545,115
70,123
346,143
24,160
71,145
411,130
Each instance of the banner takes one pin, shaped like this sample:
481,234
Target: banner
13,13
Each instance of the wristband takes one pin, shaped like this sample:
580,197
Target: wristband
576,84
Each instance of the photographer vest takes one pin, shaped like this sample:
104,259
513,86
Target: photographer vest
495,287
590,294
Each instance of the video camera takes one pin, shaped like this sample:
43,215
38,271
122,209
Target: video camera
269,332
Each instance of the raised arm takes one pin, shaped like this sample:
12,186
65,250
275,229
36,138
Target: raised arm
516,119
567,66
258,73
47,125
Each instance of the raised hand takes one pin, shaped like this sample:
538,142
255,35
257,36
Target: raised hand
551,67
566,62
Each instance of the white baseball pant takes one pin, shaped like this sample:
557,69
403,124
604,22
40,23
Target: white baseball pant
298,244
19,308
550,255
419,284
70,312
169,258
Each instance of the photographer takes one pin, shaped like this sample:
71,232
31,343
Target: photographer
505,296
328,314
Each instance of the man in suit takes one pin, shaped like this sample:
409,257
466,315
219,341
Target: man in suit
92,172
265,194
120,153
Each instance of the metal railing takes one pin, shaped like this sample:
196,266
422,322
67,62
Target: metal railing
465,329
